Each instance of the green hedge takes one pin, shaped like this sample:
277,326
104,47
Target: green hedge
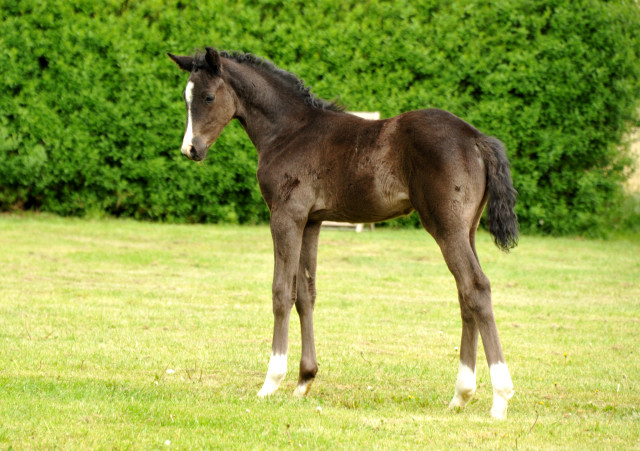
91,114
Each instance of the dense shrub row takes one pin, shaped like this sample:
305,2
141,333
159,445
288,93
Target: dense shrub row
91,115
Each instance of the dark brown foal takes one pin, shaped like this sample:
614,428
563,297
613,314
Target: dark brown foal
316,163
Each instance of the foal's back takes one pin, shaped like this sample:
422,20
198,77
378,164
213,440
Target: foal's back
368,171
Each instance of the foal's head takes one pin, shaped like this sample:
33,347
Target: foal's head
211,103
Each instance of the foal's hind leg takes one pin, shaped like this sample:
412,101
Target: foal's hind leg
466,381
475,301
305,302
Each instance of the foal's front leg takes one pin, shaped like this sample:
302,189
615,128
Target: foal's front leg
287,241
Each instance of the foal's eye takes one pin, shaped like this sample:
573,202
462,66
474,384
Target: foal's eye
209,99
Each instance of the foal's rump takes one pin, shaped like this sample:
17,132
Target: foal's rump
454,169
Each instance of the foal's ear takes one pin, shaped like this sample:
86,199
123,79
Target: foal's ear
213,61
183,62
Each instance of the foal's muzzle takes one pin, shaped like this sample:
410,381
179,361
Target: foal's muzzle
194,151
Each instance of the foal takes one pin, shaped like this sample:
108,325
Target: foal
316,163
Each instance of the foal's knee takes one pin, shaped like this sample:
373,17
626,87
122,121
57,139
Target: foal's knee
284,297
475,294
305,301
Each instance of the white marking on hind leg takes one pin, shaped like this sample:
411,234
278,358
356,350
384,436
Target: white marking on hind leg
502,389
465,386
275,374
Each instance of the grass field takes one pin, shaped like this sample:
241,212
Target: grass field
117,334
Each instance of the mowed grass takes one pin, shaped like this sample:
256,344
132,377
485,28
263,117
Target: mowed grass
118,334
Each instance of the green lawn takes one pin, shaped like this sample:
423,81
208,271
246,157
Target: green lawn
118,334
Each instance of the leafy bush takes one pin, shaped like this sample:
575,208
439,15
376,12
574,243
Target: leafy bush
91,116
94,121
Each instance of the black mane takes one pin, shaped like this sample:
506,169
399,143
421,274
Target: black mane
287,77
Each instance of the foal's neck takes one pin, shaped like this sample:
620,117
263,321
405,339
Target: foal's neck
268,110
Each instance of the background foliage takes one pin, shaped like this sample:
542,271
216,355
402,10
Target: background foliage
91,115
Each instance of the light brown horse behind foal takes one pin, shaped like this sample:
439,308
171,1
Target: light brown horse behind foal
316,163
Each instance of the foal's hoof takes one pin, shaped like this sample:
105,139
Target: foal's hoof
500,403
462,396
460,400
302,389
499,408
264,393
268,389
499,413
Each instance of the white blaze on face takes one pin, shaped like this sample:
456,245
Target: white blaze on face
276,372
188,136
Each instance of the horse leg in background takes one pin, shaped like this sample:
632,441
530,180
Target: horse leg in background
474,291
287,241
305,302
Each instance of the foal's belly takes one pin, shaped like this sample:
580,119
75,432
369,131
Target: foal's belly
358,216
363,202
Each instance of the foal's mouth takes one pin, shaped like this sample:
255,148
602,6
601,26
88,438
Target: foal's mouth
195,155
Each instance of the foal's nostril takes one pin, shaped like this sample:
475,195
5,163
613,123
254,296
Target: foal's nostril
193,153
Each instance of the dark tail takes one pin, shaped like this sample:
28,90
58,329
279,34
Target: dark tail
503,222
